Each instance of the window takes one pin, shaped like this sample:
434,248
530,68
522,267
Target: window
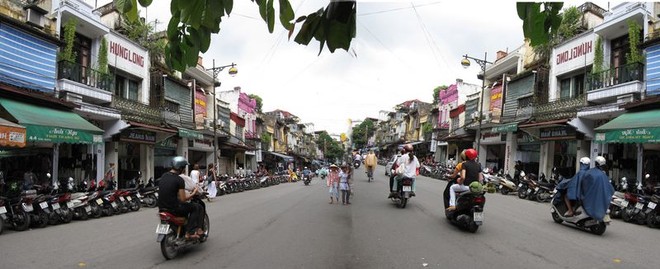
171,106
454,124
579,84
571,87
565,88
127,88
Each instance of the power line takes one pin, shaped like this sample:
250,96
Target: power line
395,9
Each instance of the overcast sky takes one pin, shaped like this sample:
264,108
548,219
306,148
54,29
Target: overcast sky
404,50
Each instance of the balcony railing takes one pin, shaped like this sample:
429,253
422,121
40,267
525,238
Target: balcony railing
252,135
560,108
83,74
135,111
621,74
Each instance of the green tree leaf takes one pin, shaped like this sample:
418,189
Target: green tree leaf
286,14
145,3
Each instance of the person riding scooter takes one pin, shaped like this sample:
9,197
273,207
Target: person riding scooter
172,197
470,172
596,190
569,188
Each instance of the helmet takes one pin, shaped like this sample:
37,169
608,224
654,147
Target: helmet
462,157
179,162
471,154
408,147
600,161
585,160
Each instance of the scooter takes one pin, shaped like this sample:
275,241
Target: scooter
307,179
356,164
582,220
172,229
469,212
403,192
507,185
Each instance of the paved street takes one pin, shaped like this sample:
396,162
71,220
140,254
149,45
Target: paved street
293,226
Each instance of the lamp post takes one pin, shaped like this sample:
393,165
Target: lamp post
482,63
216,70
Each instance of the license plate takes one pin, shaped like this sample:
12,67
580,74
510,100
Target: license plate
162,228
88,209
520,185
529,190
27,208
407,188
56,206
121,198
478,216
69,204
43,205
3,210
138,195
652,205
624,203
536,189
639,205
114,205
99,201
129,198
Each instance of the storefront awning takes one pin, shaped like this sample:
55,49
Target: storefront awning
50,125
505,128
186,133
285,157
544,124
631,127
11,134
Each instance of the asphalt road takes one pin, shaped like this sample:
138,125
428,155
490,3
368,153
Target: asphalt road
293,226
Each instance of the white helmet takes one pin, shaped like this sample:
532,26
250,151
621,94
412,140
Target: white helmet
585,160
600,161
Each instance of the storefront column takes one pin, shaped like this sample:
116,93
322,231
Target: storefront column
546,156
583,150
483,154
510,153
640,161
147,161
99,151
596,150
56,163
111,156
182,150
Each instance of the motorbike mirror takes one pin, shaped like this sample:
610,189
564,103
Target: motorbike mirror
48,175
647,176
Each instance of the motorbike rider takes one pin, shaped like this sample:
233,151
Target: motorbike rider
370,162
410,165
459,166
470,172
596,190
569,188
393,175
306,172
173,197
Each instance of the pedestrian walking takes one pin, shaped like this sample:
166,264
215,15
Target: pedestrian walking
333,183
344,185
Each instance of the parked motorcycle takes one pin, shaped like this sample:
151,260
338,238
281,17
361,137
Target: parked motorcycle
469,212
507,185
582,220
403,193
172,229
616,205
14,213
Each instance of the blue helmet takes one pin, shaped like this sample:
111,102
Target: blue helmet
179,163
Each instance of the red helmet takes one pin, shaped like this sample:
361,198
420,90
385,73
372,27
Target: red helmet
408,147
471,154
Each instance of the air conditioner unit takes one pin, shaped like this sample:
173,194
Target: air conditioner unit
34,15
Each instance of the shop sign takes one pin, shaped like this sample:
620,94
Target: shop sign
190,134
490,137
574,54
138,136
203,144
37,133
496,103
524,137
511,127
638,135
169,143
563,132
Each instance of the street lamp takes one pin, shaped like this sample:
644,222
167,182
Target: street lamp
216,70
482,63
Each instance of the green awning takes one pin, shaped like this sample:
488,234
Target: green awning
50,125
190,134
505,128
631,127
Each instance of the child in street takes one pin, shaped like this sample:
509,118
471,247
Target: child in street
332,182
344,185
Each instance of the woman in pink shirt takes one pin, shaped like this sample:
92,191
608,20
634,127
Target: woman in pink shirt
332,181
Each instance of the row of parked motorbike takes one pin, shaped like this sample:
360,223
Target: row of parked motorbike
40,206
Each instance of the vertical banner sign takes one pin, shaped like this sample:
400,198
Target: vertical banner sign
496,103
200,108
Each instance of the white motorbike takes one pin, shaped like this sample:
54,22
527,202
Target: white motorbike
581,220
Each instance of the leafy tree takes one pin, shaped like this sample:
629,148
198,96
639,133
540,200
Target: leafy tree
260,101
193,21
332,149
362,132
69,36
568,28
143,34
539,25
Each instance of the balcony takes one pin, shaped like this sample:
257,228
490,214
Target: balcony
89,20
252,135
84,81
135,111
606,86
559,109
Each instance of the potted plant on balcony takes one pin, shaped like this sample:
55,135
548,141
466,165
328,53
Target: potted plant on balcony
634,57
104,79
67,56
